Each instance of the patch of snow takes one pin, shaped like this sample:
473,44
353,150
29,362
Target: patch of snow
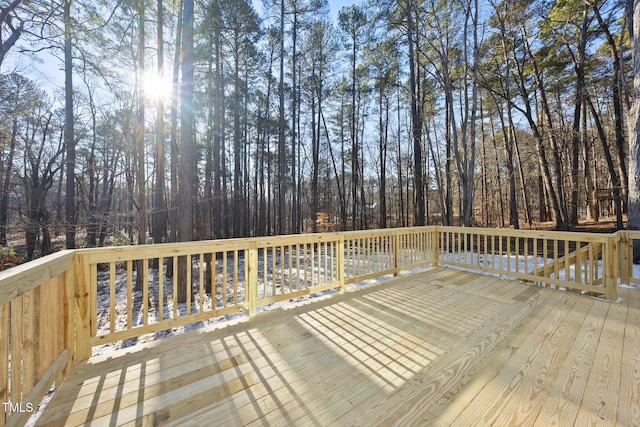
519,264
291,271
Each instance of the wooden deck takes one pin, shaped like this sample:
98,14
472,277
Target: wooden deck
438,348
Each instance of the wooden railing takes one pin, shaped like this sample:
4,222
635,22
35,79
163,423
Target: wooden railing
59,308
230,276
626,259
36,332
579,261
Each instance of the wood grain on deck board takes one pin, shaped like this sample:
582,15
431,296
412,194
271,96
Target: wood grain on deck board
440,348
628,410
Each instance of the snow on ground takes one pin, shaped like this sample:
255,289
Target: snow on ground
504,262
508,263
282,279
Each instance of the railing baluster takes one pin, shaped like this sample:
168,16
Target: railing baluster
145,290
201,270
526,255
545,249
290,248
592,266
313,263
578,267
161,288
265,272
508,255
273,271
130,293
305,261
326,259
297,268
567,265
282,267
251,281
112,298
175,287
225,268
235,277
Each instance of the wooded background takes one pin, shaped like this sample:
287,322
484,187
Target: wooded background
397,113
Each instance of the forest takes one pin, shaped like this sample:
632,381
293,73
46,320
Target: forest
181,120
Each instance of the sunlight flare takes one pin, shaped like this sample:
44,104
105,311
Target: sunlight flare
157,87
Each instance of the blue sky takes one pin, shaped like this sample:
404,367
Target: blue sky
336,5
51,70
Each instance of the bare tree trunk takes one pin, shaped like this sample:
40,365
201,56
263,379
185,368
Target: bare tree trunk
140,133
187,164
616,83
69,138
416,124
633,218
592,196
615,180
173,217
294,123
383,130
399,163
282,184
6,184
159,208
557,194
220,227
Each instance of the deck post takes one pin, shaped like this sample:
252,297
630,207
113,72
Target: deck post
252,279
82,303
624,258
435,245
610,277
69,307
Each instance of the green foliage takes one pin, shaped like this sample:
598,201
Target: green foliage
8,258
5,252
121,238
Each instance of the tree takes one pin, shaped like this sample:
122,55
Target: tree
416,116
384,62
244,29
633,221
159,204
69,136
8,17
352,21
15,88
187,146
282,165
40,166
320,44
141,200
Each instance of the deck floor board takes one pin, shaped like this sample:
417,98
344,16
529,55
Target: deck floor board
442,347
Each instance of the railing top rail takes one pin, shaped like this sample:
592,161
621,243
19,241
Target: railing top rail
635,234
22,278
540,234
125,253
292,239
